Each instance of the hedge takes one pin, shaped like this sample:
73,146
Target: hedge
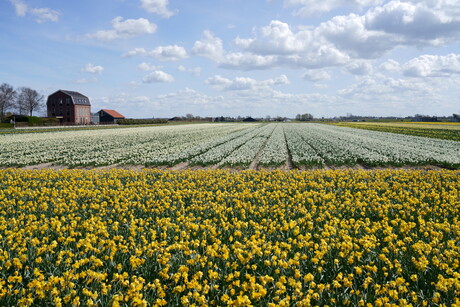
148,121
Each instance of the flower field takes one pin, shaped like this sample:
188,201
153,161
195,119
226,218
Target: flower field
444,131
257,145
165,238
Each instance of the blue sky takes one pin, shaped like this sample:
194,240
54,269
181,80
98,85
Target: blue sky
162,58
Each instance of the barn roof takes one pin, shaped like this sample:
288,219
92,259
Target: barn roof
77,97
113,113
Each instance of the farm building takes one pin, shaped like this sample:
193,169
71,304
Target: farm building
70,107
109,116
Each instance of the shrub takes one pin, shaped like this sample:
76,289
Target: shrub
34,120
146,121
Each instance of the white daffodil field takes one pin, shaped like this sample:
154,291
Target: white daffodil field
227,145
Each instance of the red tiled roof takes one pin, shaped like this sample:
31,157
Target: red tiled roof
113,113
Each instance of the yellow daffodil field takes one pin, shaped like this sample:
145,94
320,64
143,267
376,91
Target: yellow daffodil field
225,238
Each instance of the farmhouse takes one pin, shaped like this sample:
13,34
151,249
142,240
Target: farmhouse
70,107
109,116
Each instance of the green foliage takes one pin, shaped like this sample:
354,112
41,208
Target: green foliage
34,120
50,121
6,126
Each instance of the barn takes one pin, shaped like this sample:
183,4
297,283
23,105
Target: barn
109,116
70,107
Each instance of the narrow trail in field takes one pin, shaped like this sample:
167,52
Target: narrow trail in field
180,166
48,165
254,164
289,164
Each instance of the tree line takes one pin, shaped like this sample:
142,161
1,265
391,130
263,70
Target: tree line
23,100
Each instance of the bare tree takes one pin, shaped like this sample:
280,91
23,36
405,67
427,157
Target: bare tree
7,98
29,100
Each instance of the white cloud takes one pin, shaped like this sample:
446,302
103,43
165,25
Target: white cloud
277,38
148,67
209,46
186,97
416,23
433,66
20,7
45,14
382,95
244,83
162,53
316,75
273,46
359,68
41,14
159,7
125,29
158,76
93,69
340,40
247,61
168,53
370,87
310,7
196,71
304,48
135,51
349,35
390,65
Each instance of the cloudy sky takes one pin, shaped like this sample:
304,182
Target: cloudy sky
161,58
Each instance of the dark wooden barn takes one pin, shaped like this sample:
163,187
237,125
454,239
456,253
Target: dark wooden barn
70,107
109,116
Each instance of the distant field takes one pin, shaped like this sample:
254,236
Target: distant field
236,145
420,125
444,131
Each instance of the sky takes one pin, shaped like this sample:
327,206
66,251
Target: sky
164,58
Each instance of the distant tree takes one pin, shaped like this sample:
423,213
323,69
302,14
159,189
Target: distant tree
7,99
280,119
304,117
29,100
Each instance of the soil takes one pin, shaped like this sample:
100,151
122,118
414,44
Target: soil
185,166
48,165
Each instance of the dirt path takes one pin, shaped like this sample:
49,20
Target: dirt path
289,164
48,165
179,166
186,166
254,164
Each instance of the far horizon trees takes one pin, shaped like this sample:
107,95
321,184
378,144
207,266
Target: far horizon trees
304,117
